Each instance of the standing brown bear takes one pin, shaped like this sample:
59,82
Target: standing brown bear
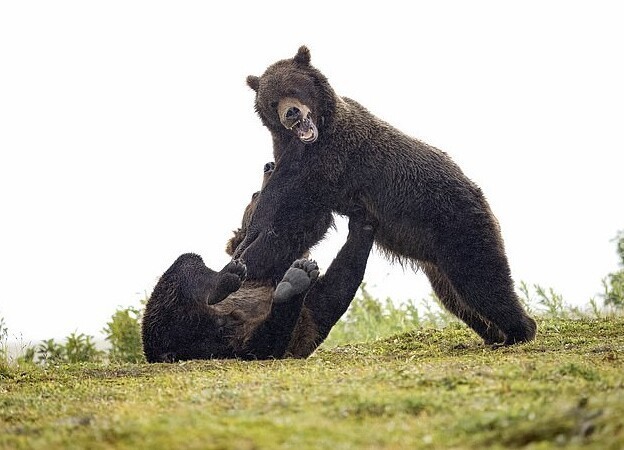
333,155
197,313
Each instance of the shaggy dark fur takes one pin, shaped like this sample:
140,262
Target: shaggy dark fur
197,313
333,155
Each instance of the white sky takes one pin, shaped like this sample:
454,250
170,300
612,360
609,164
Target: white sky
128,136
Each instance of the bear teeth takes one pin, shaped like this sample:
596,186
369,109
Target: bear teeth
307,135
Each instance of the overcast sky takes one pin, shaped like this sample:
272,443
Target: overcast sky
128,135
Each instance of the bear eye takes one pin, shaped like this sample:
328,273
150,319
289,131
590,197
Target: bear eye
273,105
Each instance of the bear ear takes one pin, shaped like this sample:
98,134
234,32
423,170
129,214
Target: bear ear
303,56
234,241
253,82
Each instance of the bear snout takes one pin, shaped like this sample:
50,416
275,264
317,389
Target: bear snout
297,117
291,111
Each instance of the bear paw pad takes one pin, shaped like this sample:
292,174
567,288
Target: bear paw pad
296,280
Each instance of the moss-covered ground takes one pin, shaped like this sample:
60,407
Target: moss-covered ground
426,388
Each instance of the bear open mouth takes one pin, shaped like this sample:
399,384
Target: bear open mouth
297,116
306,129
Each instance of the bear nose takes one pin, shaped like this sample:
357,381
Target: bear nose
293,113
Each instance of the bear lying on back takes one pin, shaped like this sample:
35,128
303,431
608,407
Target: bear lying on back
197,313
333,155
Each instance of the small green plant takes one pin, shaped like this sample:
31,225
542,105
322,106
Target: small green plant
77,348
525,297
613,284
81,348
595,308
27,357
124,334
4,347
549,303
369,319
435,316
50,352
22,356
4,337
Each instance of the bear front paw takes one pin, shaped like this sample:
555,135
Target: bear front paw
229,280
236,267
296,280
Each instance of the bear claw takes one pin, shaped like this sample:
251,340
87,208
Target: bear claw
236,267
269,167
229,280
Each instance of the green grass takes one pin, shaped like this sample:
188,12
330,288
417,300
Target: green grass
427,388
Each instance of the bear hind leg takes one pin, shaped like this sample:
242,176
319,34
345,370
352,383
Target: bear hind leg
484,286
443,289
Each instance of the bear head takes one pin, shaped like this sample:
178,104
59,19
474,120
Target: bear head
292,97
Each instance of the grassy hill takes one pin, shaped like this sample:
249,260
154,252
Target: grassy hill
428,388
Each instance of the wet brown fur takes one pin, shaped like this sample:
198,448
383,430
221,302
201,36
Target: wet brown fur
197,313
430,214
